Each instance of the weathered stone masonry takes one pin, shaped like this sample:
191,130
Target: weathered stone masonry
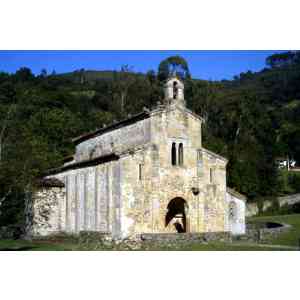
146,174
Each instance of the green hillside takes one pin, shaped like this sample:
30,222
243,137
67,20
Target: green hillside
92,76
251,120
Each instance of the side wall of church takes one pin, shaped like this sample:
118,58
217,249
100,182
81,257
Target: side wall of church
90,201
118,140
213,185
136,188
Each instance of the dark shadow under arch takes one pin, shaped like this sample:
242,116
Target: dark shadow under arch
177,208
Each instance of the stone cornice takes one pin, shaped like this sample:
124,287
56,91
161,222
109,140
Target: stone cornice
214,155
236,194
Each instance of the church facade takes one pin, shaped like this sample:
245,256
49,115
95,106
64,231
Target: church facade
146,174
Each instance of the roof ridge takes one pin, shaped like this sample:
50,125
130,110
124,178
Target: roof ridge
140,116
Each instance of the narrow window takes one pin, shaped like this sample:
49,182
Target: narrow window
140,172
210,175
173,154
199,163
199,155
175,90
180,154
232,211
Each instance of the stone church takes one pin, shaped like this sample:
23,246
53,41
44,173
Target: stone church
146,174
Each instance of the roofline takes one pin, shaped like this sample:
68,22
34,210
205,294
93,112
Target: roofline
236,194
163,107
138,117
49,183
83,164
68,158
195,115
214,154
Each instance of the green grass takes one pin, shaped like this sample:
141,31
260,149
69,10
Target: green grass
290,238
21,245
285,239
227,247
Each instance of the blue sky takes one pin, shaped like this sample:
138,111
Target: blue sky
214,65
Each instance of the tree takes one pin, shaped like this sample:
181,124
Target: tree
24,74
121,84
43,73
4,125
151,76
173,65
283,59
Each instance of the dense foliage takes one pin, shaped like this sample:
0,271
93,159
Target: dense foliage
251,120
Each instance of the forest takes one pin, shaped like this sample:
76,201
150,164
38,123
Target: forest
251,120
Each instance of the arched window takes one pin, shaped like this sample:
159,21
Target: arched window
173,154
175,90
180,154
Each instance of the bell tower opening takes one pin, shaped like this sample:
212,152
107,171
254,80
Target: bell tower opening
174,91
177,215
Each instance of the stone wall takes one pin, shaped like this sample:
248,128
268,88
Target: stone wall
257,234
116,141
173,241
206,209
289,200
89,202
47,211
252,208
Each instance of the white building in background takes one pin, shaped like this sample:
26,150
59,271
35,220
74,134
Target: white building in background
236,212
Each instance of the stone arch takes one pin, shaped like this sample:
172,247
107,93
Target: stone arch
177,214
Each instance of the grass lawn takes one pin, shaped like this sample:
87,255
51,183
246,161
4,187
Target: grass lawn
229,247
290,238
285,239
21,245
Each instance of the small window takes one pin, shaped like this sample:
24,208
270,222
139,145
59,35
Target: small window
232,211
199,155
175,90
199,163
180,154
211,175
173,154
140,171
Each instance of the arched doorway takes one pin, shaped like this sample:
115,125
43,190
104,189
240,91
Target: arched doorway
177,215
